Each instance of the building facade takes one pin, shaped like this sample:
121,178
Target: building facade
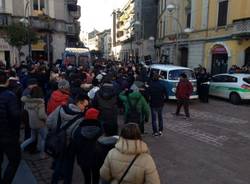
105,44
219,37
93,40
56,23
134,30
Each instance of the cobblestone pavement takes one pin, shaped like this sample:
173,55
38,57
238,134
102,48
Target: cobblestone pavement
213,147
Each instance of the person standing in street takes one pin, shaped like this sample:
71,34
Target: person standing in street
136,108
105,101
64,165
35,106
183,92
85,140
60,96
130,160
203,85
9,131
157,94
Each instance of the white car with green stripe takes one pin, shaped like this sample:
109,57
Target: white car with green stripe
235,87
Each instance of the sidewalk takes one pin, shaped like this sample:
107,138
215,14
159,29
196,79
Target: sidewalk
23,175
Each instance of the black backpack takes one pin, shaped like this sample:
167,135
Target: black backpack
56,140
133,116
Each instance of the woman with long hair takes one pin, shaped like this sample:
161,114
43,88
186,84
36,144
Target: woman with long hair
130,160
35,106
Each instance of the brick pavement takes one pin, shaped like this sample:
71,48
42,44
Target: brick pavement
185,145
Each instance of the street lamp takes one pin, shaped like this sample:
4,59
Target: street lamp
26,21
171,8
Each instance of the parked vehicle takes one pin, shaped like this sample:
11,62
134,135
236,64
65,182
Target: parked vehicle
170,75
235,87
76,57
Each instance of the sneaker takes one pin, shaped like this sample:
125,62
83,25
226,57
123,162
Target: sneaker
155,134
160,133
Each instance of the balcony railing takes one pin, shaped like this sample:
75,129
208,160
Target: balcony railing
241,27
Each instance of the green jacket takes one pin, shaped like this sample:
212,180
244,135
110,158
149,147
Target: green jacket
142,105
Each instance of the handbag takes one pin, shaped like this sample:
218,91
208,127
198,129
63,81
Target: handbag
56,140
130,165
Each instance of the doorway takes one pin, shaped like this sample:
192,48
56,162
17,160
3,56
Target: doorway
184,56
247,57
219,60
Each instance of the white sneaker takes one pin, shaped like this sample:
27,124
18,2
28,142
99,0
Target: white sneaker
160,133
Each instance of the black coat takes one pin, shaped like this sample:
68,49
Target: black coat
9,116
157,93
104,145
106,101
84,141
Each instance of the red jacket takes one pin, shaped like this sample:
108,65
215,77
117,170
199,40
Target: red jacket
184,89
57,98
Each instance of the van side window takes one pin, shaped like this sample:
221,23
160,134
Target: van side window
153,71
164,74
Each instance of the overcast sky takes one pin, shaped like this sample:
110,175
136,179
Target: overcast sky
97,13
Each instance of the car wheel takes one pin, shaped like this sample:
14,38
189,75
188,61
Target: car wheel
235,98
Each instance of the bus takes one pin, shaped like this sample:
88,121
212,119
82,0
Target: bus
170,75
77,57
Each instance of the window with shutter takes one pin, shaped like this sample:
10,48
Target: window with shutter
222,13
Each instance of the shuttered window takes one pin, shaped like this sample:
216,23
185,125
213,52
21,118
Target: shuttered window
222,13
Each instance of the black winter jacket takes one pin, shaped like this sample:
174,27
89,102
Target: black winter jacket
106,101
9,116
157,92
84,141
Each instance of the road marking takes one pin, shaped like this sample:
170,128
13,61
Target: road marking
197,134
216,117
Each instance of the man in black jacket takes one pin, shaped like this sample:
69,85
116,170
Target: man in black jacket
9,130
157,93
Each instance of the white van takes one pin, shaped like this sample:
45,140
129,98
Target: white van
170,75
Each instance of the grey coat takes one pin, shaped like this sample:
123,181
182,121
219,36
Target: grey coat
36,111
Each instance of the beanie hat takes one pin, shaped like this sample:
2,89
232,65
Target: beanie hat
63,84
92,113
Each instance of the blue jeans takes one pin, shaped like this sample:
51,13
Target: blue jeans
157,111
34,135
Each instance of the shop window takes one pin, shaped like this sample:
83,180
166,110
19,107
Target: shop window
222,13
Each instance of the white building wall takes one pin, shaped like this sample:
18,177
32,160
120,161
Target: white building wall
195,54
59,42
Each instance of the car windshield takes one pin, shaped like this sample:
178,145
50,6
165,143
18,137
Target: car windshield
247,80
175,74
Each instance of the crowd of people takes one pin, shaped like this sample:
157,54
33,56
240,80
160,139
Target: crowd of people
237,69
74,111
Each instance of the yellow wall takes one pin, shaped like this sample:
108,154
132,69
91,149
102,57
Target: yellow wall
238,9
235,48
